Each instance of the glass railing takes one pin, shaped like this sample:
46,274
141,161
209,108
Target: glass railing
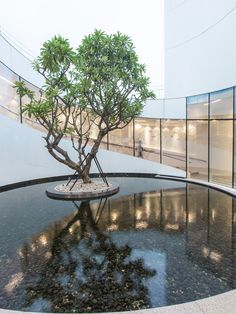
202,144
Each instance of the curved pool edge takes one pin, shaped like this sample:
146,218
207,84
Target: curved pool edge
30,182
219,304
216,186
25,183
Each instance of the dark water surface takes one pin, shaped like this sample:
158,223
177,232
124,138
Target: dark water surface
155,243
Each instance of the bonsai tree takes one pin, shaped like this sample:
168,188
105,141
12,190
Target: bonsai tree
99,87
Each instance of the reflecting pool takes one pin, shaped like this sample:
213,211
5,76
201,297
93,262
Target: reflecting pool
155,243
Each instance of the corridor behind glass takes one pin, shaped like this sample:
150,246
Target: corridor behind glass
206,151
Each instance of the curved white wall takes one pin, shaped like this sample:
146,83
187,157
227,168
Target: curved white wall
200,46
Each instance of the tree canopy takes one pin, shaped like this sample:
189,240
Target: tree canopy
99,87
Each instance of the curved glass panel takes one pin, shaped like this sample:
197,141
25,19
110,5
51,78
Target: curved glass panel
9,100
121,140
221,104
147,134
198,149
197,107
174,143
221,151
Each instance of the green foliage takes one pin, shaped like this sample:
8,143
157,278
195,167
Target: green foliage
55,56
101,85
22,90
103,75
110,78
56,64
34,108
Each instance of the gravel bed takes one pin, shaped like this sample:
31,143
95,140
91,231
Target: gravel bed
81,187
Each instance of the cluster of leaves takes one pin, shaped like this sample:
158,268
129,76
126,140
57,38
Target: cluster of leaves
103,75
100,85
111,80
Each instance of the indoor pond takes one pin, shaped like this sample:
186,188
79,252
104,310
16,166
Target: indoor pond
155,243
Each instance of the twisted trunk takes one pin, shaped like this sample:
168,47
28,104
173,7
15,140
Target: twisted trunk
62,156
85,175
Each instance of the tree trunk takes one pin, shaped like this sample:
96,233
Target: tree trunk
62,156
85,176
86,170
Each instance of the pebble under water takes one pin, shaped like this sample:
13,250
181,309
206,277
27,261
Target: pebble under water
155,243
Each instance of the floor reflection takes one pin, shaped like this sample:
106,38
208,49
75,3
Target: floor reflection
139,251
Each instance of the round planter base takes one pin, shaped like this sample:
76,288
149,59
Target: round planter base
81,191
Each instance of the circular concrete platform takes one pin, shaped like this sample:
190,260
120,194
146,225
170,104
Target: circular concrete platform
81,191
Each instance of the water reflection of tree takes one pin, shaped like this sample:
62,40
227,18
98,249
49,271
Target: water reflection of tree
87,272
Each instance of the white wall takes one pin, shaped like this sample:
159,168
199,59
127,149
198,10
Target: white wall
200,48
